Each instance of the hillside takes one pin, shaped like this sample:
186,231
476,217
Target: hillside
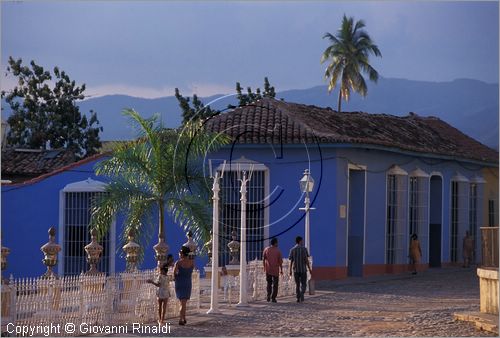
470,105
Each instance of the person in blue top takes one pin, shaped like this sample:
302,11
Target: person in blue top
183,270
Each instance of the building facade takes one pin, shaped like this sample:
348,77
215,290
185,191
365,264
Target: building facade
378,180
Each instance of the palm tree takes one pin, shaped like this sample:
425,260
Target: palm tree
159,172
349,51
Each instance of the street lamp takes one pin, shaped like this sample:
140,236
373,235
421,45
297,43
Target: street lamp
306,186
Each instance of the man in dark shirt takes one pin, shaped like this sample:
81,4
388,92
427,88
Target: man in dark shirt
298,263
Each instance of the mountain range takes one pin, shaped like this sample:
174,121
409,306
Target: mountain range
471,106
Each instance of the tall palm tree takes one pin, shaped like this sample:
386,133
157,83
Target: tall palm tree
349,52
159,172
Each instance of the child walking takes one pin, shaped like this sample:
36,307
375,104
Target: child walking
162,293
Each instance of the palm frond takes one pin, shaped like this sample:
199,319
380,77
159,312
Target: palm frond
349,56
191,214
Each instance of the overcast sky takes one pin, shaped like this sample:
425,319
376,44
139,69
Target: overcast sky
148,48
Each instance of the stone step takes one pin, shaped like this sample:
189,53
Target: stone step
483,321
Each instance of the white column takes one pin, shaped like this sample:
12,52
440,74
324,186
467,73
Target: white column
214,295
243,243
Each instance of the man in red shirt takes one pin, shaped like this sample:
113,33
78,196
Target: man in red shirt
273,265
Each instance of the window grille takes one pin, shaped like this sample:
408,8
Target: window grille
396,219
230,214
473,198
77,211
491,213
418,212
459,209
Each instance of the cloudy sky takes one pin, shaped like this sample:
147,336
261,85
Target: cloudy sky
148,48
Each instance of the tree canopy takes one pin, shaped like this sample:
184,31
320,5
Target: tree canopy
194,109
349,54
44,111
159,173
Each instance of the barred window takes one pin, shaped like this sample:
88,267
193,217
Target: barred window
230,214
459,210
396,217
491,213
473,198
75,216
418,209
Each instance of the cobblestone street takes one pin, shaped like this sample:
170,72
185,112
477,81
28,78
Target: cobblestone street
395,305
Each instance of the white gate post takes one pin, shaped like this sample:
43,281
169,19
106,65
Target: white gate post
243,243
214,295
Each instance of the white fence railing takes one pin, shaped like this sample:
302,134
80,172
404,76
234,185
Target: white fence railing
257,284
119,299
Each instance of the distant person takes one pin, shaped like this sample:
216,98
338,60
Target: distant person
183,270
273,266
163,293
468,249
299,264
415,252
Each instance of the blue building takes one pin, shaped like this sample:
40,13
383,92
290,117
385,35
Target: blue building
62,198
378,179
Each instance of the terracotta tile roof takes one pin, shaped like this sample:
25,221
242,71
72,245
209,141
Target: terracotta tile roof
60,170
28,163
269,120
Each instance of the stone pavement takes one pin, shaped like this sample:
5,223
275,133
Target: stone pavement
390,305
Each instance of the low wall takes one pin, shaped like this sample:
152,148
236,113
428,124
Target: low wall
488,288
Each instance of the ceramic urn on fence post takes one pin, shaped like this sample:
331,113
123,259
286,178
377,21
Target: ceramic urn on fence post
132,250
234,249
93,250
161,249
191,244
50,251
208,246
5,254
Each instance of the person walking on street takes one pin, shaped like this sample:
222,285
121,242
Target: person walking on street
273,266
163,294
415,252
183,270
299,261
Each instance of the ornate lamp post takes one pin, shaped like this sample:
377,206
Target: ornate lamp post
93,250
50,251
132,250
306,186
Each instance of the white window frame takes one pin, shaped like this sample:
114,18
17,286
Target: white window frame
88,185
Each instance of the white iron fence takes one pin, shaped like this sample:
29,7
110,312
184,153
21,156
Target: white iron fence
120,299
257,284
